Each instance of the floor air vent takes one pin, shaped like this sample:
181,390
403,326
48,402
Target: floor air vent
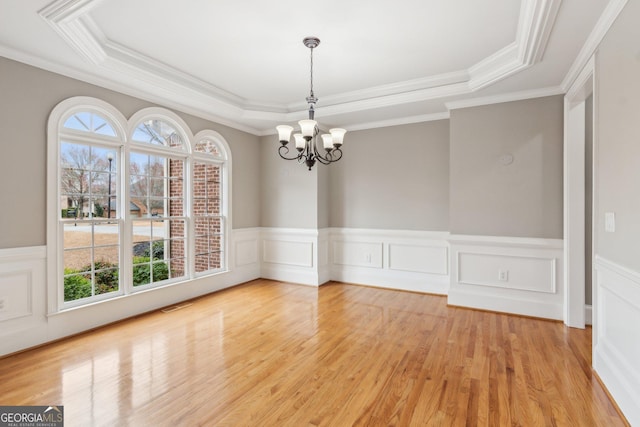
175,307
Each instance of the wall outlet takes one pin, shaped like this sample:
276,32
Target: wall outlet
3,304
503,275
368,258
610,222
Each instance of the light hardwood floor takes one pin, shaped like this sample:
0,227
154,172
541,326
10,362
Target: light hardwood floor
273,354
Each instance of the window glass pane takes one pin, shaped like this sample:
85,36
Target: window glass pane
77,260
138,163
160,271
141,271
106,256
176,228
107,280
156,167
158,132
100,184
176,207
90,122
141,230
77,286
151,185
139,188
209,147
156,242
91,259
85,181
157,187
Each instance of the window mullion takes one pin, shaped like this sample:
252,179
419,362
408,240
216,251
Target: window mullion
126,265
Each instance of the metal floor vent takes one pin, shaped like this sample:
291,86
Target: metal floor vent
176,307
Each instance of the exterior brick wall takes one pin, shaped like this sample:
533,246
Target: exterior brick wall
176,228
206,212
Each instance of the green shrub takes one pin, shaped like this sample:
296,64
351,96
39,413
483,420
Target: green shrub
142,271
142,250
157,249
107,279
76,287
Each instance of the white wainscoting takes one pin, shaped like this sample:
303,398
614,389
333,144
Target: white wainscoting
294,255
23,298
24,321
507,274
616,334
245,254
397,259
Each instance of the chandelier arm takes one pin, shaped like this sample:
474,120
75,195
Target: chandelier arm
332,156
336,154
325,159
283,150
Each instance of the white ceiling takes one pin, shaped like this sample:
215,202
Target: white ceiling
242,63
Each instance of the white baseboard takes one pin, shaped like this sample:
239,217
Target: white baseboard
588,314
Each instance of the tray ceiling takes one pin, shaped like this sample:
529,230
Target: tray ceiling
244,64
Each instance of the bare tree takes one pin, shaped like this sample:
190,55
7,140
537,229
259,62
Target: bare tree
81,174
148,184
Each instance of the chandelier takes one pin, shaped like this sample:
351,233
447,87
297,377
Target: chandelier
307,141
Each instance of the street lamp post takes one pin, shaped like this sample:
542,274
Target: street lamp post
110,158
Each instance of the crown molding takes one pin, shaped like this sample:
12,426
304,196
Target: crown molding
582,85
494,68
534,29
68,18
60,11
505,97
71,19
408,86
606,20
118,86
399,121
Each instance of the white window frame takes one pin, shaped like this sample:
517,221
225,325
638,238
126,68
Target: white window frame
122,146
155,113
225,198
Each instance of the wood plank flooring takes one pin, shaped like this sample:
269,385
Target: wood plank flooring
274,354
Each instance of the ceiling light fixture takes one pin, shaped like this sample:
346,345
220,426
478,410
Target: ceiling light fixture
307,140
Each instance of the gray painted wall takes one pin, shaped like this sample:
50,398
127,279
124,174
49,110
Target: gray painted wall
27,96
522,199
618,139
288,190
324,195
393,178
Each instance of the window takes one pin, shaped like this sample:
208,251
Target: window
208,205
157,166
132,204
90,239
